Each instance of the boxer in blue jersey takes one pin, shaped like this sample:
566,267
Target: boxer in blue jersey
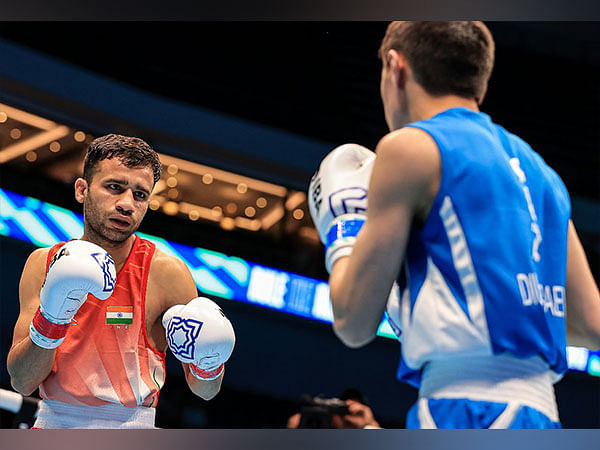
469,230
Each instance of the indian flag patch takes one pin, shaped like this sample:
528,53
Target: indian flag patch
119,315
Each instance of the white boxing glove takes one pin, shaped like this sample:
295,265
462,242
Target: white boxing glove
78,268
337,198
199,334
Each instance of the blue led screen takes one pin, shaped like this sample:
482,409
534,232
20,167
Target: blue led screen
227,277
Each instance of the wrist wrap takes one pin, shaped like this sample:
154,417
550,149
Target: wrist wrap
206,375
45,333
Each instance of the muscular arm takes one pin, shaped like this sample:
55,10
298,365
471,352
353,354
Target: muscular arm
583,298
28,364
405,179
172,281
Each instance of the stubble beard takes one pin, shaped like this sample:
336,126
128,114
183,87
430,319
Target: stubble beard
95,226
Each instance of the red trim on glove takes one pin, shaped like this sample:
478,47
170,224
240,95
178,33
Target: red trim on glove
206,374
48,329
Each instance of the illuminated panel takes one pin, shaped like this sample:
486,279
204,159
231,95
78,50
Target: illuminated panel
215,273
594,363
577,358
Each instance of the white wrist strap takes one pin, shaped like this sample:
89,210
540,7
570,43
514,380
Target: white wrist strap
341,236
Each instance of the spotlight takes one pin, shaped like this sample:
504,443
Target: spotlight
231,208
227,223
54,146
261,202
170,208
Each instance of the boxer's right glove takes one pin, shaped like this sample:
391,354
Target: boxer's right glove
78,268
199,334
337,198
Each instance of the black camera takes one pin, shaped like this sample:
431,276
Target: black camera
316,412
26,416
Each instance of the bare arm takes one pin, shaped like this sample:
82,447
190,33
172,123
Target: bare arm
28,364
203,389
404,181
172,277
583,298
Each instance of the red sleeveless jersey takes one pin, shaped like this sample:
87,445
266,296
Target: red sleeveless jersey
106,357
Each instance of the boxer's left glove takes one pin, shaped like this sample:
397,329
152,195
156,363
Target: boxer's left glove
78,268
200,334
337,198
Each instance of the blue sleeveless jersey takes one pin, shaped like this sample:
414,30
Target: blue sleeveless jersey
486,273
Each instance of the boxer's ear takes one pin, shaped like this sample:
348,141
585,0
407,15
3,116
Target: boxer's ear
81,189
398,65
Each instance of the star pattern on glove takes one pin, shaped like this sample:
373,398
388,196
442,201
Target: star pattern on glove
105,262
182,334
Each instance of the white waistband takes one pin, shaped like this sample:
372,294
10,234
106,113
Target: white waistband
55,414
500,378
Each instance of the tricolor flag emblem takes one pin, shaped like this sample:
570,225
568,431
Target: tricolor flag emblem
119,315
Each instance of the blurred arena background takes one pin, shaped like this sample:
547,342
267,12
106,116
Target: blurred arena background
242,113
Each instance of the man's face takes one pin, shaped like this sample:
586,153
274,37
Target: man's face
116,200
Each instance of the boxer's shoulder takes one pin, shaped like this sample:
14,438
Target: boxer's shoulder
408,167
39,255
408,159
409,143
163,262
31,281
35,266
169,280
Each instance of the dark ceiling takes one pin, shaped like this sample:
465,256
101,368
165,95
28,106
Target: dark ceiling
321,79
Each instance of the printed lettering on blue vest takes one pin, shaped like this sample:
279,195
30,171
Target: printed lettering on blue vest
550,298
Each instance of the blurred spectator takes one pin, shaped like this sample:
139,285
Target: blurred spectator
350,411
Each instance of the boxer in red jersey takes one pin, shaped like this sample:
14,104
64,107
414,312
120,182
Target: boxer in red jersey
97,314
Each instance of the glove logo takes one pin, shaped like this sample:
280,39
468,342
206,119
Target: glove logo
182,334
348,201
315,192
105,261
62,252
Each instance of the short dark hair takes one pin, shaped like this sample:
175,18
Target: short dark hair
446,57
133,152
